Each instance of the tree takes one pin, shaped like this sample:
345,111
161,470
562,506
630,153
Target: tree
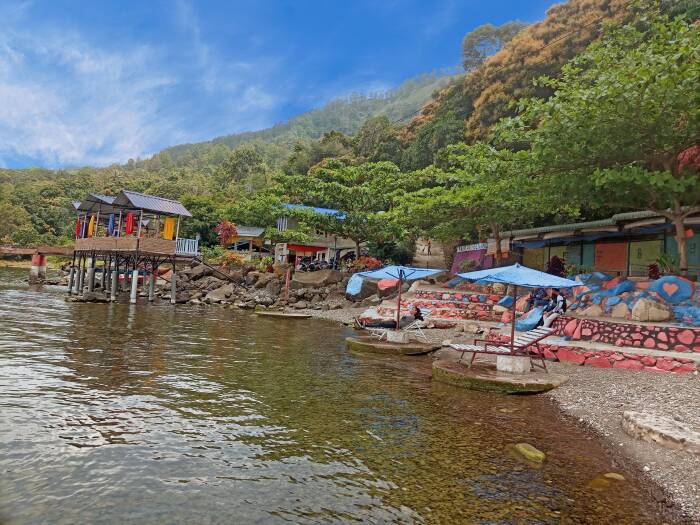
476,186
245,164
359,193
485,41
621,117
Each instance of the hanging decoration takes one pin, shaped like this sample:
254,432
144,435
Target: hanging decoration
129,223
169,228
78,228
91,226
110,225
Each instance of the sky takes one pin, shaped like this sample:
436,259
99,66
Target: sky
95,83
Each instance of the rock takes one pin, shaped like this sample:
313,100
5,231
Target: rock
592,311
647,310
417,284
273,287
94,297
620,311
317,279
369,287
529,452
252,278
264,279
194,301
219,294
300,305
182,297
614,476
197,272
664,431
569,356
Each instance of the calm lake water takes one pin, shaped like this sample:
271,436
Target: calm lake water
153,414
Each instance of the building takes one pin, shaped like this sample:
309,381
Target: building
250,239
322,247
126,238
626,243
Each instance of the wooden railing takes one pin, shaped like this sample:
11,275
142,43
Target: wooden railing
187,246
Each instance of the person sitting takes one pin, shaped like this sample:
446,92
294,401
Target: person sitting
416,313
537,297
555,307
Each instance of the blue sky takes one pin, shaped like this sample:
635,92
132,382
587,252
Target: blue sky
92,83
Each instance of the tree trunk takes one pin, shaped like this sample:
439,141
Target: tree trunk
680,240
357,248
496,232
448,252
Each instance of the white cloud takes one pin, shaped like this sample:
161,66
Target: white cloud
65,101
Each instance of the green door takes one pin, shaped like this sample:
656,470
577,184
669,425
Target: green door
588,256
692,245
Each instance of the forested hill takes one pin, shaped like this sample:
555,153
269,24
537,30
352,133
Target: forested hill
345,115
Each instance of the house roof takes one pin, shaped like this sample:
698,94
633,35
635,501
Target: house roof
95,202
322,211
141,201
249,231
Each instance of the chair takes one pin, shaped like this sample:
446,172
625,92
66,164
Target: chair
518,347
418,325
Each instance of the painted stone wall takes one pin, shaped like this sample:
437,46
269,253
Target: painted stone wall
670,298
676,339
458,305
609,359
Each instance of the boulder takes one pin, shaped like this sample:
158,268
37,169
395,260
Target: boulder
368,288
197,272
592,311
264,279
219,294
252,278
418,284
317,279
620,311
94,297
647,310
300,305
529,452
273,287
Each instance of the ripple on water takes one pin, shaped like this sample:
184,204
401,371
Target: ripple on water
150,414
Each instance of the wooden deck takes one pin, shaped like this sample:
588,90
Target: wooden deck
130,244
31,250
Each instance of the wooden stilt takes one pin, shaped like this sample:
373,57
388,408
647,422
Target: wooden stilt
173,285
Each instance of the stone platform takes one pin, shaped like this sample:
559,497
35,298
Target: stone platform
485,377
282,315
372,344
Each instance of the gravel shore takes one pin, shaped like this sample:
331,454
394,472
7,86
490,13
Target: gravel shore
596,398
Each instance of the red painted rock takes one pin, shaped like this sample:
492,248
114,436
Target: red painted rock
617,357
684,369
577,333
648,360
666,364
649,343
570,356
598,362
549,355
637,336
586,332
686,337
620,342
570,328
628,364
683,360
661,336
632,356
680,348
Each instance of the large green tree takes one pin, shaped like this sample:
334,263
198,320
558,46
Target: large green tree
621,117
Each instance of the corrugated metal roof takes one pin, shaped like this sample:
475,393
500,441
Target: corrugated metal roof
141,201
249,231
634,215
96,201
322,211
560,227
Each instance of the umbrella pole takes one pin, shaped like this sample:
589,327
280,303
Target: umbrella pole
512,323
398,304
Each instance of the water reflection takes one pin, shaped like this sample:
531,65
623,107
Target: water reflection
116,413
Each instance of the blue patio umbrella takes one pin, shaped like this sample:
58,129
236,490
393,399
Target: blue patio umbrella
519,275
401,273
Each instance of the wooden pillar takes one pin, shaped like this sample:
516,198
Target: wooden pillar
81,275
115,280
152,283
71,275
91,273
173,285
103,277
134,284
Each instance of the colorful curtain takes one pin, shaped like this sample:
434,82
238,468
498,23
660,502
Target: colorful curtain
110,225
91,226
169,228
78,228
129,223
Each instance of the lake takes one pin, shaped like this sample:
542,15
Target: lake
118,413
